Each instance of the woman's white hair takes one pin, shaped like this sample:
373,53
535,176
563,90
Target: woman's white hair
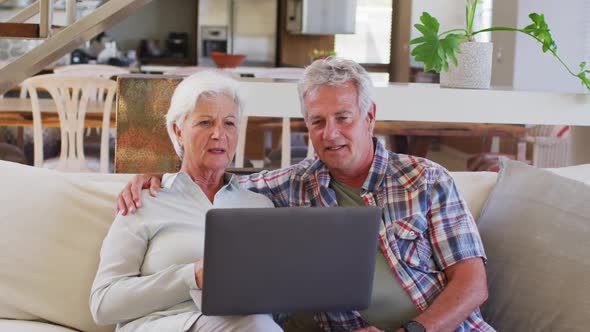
188,92
336,72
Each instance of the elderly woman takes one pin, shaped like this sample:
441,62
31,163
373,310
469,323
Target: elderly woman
150,272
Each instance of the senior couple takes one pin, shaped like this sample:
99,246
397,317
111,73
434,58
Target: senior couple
429,274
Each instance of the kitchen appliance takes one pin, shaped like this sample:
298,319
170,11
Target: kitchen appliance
177,45
321,17
214,39
247,27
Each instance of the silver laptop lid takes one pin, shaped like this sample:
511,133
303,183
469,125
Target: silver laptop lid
289,259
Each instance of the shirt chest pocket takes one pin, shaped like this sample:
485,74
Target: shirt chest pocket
412,240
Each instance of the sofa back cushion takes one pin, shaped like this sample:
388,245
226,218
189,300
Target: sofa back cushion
475,188
52,226
536,232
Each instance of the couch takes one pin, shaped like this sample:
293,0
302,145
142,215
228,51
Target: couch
52,225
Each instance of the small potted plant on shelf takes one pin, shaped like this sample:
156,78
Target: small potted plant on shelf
472,61
316,54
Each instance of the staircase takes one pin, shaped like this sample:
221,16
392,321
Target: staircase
58,41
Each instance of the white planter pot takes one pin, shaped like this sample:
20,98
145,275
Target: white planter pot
473,70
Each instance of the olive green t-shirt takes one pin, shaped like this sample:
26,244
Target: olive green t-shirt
391,306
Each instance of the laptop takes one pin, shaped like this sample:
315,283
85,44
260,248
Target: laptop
289,260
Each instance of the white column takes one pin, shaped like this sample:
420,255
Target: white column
71,11
45,18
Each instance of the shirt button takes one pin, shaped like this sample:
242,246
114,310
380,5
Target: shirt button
412,233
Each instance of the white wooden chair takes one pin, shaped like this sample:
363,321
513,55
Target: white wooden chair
287,73
285,143
241,148
550,145
72,96
550,149
92,70
88,70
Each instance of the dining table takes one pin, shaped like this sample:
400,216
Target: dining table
409,137
18,112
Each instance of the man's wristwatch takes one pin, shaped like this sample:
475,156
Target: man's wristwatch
413,326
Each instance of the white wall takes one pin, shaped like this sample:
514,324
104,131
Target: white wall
504,14
534,70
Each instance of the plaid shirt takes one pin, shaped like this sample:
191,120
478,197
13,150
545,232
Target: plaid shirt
427,225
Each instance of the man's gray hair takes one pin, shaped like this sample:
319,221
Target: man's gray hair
188,92
336,72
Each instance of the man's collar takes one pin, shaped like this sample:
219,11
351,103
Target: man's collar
373,180
378,167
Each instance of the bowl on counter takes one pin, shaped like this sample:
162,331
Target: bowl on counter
224,60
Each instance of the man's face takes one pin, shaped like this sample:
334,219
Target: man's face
341,135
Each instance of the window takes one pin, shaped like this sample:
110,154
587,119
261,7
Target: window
371,42
484,20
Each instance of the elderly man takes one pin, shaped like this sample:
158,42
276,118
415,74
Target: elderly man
430,263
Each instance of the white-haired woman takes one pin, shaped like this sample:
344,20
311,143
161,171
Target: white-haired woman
150,271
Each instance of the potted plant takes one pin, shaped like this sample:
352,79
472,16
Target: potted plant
316,54
473,60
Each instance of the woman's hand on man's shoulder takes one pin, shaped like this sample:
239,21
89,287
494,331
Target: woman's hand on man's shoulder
129,199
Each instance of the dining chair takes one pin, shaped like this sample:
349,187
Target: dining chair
549,143
91,70
285,143
72,95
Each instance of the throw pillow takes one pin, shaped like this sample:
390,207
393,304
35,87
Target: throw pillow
536,232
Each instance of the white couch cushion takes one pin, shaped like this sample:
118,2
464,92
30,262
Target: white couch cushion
579,173
26,326
52,227
475,187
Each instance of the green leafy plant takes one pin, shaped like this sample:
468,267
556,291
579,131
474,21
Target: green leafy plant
320,54
436,49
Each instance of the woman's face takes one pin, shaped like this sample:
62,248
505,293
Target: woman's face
209,134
